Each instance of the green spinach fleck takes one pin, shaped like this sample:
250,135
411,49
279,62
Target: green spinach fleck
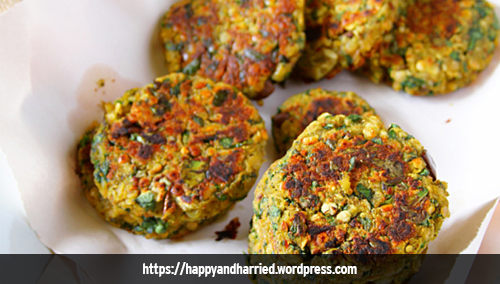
146,200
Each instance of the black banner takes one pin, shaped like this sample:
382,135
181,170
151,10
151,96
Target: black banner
230,268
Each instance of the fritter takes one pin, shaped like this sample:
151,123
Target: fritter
248,44
436,46
174,154
341,33
85,170
298,111
348,186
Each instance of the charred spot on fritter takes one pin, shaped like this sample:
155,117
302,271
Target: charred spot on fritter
299,226
154,138
145,151
280,118
221,171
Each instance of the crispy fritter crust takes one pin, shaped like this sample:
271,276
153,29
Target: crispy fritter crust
348,186
341,33
174,154
295,114
248,44
436,46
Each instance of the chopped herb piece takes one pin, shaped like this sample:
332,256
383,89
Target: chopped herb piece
475,34
455,56
283,59
393,126
193,172
437,216
189,10
221,196
330,143
85,140
328,126
352,161
492,34
482,12
253,55
146,200
198,120
149,225
220,97
355,117
426,223
362,142
392,134
349,59
423,193
162,106
412,82
192,67
226,142
275,226
387,200
238,145
97,139
425,172
101,174
185,137
496,24
403,185
262,201
173,47
197,166
367,224
152,225
377,140
175,90
274,212
366,192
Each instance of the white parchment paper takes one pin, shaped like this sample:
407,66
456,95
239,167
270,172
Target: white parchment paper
53,52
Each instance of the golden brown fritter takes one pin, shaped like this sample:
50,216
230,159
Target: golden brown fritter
295,114
173,155
341,33
248,44
348,186
436,46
